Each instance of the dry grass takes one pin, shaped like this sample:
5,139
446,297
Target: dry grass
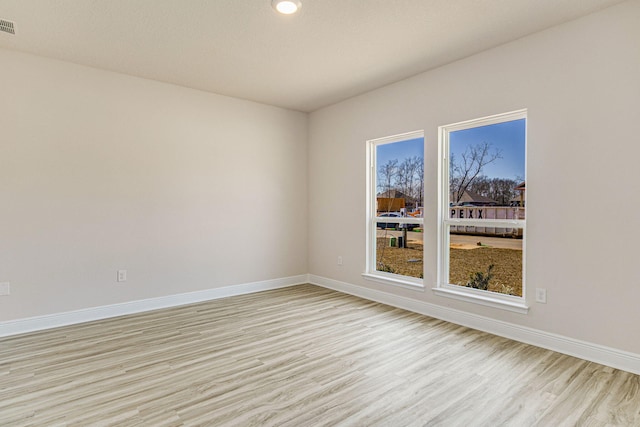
507,271
397,259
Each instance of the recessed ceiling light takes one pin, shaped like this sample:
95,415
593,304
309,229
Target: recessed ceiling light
286,7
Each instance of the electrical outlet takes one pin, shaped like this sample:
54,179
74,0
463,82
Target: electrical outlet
122,275
541,295
5,288
339,260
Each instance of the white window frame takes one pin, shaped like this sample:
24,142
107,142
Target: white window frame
444,288
371,273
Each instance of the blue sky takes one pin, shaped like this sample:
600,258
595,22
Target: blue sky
400,150
508,137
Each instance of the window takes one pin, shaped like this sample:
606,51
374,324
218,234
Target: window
482,211
395,209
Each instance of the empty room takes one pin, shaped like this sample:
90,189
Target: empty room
319,213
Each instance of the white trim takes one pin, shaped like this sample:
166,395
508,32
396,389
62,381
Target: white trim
372,220
400,219
488,120
20,326
395,280
484,298
618,359
398,137
444,288
497,223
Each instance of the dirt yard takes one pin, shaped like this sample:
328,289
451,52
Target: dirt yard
407,262
507,271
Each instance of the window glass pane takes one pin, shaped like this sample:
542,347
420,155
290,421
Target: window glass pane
399,190
486,166
394,256
486,262
400,176
486,170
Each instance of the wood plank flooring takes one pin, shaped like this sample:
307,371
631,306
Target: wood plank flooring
300,356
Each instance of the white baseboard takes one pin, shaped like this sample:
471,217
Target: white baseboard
593,352
614,358
20,326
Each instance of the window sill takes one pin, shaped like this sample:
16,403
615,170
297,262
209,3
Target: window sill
486,300
386,280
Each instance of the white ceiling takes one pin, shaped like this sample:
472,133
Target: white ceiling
330,51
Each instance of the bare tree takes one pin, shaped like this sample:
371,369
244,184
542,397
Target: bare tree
407,176
502,190
388,176
420,180
465,171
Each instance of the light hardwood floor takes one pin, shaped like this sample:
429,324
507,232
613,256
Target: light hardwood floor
300,356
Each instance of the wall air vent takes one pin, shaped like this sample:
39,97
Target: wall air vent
7,26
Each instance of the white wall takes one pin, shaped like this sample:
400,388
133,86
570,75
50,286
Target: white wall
581,85
100,171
